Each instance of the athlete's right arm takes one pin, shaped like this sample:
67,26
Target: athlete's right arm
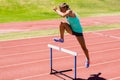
61,13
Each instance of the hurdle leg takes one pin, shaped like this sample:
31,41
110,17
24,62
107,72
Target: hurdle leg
51,61
75,67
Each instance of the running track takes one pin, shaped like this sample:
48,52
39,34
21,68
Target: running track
28,59
53,24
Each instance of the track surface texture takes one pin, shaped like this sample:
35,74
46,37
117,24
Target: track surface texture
28,59
53,24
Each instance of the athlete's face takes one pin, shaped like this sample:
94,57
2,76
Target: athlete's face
63,9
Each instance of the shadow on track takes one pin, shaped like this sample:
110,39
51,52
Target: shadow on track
92,77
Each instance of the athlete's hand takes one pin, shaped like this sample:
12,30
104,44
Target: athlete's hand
55,8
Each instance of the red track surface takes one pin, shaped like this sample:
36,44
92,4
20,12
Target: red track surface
28,59
52,24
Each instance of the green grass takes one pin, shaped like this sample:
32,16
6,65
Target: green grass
31,34
29,10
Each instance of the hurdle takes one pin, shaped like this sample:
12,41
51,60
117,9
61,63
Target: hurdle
65,51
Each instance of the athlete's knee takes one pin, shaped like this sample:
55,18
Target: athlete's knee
63,23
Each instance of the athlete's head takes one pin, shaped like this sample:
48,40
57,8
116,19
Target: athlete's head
64,7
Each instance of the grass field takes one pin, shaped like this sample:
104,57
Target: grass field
31,34
32,10
29,10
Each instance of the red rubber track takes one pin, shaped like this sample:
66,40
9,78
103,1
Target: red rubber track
28,59
53,24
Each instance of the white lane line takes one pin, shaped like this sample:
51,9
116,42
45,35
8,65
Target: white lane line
106,35
43,42
32,76
30,44
107,62
57,35
98,64
115,78
31,62
64,47
24,53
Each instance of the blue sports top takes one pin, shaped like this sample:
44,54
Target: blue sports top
75,24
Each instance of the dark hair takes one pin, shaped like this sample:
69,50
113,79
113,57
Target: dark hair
64,5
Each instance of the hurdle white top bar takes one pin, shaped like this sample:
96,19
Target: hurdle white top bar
54,47
63,50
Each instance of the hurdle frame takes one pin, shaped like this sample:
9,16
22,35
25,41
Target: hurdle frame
66,51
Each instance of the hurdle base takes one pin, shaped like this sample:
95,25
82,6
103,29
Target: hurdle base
55,71
75,79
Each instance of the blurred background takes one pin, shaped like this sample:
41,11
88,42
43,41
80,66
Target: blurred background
29,10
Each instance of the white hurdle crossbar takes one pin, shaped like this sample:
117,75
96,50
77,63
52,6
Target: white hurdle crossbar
66,51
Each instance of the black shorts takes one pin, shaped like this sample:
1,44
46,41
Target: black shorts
77,34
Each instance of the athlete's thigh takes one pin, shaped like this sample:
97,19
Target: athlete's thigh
81,40
67,27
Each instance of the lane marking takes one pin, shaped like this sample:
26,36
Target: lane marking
64,47
3,47
31,62
57,35
27,77
106,35
23,53
115,78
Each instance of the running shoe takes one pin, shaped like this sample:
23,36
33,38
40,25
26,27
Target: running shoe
58,40
87,64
